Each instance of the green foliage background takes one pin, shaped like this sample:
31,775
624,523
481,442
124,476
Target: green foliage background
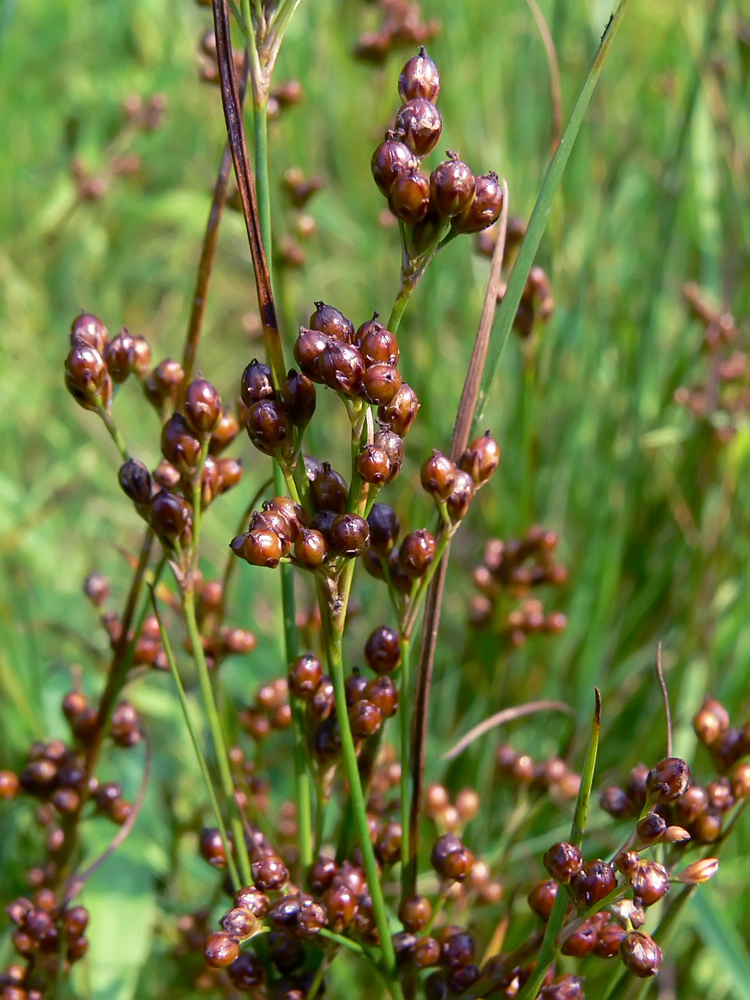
652,513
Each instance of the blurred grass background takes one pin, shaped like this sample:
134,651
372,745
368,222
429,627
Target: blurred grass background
652,513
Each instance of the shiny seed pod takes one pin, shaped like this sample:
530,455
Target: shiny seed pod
393,446
86,377
458,949
350,535
481,459
310,548
141,356
460,497
135,481
211,847
163,385
180,446
384,527
414,913
380,383
268,426
420,122
711,721
332,322
305,675
542,897
640,954
203,409
377,345
390,159
451,859
341,368
262,547
274,520
125,725
649,829
247,972
399,578
451,186
341,905
119,355
401,412
355,687
706,829
582,941
321,873
308,350
329,490
253,900
563,861
668,780
650,883
426,952
373,465
485,208
438,475
321,705
220,950
593,882
224,433
409,197
322,523
297,396
365,718
270,873
382,692
383,650
239,923
403,945
9,785
608,940
170,516
256,383
286,953
388,843
419,78
417,552
88,330
617,802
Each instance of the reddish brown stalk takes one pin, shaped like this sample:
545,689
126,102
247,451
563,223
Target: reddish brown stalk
236,133
554,72
461,430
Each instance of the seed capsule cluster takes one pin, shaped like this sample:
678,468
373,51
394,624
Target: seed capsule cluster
552,775
403,26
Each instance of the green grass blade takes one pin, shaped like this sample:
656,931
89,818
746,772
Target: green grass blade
720,934
538,222
587,776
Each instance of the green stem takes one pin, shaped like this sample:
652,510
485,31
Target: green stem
217,736
262,181
201,757
410,619
405,715
317,979
333,628
114,432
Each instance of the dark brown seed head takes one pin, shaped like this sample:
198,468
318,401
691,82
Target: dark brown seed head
305,675
377,345
297,395
563,861
170,516
252,899
484,209
461,495
203,409
239,923
388,843
89,331
135,481
380,383
373,465
420,122
383,650
409,197
9,785
350,535
419,78
166,476
261,547
247,972
451,859
308,350
400,414
417,552
393,446
668,780
220,950
650,883
426,952
179,445
164,383
341,905
256,383
451,186
119,355
711,720
332,322
211,847
341,368
321,873
270,873
582,941
481,459
542,897
382,692
224,433
414,912
640,954
268,426
384,528
617,802
86,377
403,945
96,588
608,940
310,548
438,475
389,160
329,490
650,828
458,949
365,718
125,725
593,882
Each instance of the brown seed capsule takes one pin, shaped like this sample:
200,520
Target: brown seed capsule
377,345
270,873
262,547
308,350
310,548
582,941
401,412
322,704
203,409
166,476
617,802
125,725
542,897
438,475
252,899
96,588
608,940
305,675
220,950
420,122
419,78
9,785
414,913
450,858
341,905
393,446
341,368
388,843
650,883
458,949
328,490
593,882
256,383
350,535
164,383
426,952
383,650
247,972
365,718
380,383
403,945
119,355
460,497
484,209
640,954
390,159
451,186
239,923
409,197
384,527
563,861
268,426
373,465
88,330
86,377
180,446
332,322
707,828
135,481
382,692
711,721
668,779
321,873
224,433
417,552
297,396
170,516
481,459
211,847
141,356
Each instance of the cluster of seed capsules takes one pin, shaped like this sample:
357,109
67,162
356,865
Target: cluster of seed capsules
56,775
700,809
298,189
511,569
451,194
403,25
724,396
553,775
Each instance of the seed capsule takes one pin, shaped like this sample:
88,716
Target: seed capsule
256,383
247,972
239,923
417,552
384,528
163,385
593,882
582,941
297,395
383,650
88,330
484,209
350,535
86,377
341,905
461,495
305,675
711,721
180,446
608,940
341,368
414,912
389,160
329,490
451,186
262,547
365,718
563,861
481,459
640,954
220,950
650,883
409,197
270,873
331,321
224,433
308,350
382,692
310,548
119,355
451,859
377,345
380,383
419,78
668,780
617,802
438,476
542,897
268,426
393,446
373,465
203,410
426,952
135,481
420,122
170,516
401,412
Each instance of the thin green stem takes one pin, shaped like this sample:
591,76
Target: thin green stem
343,941
405,716
410,619
200,756
114,431
317,979
217,736
262,181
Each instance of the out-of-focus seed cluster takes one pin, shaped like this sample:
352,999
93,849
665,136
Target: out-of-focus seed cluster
552,775
402,26
723,397
509,572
